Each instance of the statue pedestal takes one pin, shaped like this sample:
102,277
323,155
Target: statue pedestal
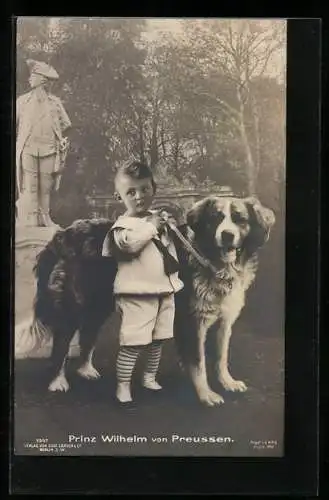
29,241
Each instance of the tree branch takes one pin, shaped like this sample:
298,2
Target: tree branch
227,108
262,61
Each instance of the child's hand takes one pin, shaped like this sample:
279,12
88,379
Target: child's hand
169,218
157,221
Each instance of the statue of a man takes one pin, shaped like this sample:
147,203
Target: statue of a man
41,146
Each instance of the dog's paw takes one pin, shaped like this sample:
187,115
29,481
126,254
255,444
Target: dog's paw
209,397
59,384
230,384
88,372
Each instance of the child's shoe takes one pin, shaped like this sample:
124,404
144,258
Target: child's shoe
149,382
123,392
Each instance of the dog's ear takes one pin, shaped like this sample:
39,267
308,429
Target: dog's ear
194,216
261,221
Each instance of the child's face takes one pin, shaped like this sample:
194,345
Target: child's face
136,194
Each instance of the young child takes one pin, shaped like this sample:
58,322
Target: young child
146,280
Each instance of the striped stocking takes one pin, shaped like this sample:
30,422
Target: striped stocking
153,355
125,365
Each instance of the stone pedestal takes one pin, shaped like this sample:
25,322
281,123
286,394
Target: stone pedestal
29,241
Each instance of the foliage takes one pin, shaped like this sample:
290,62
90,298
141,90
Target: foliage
201,105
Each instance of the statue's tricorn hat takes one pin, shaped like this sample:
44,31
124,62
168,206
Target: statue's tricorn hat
42,68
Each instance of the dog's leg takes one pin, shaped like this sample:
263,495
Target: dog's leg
61,345
87,369
198,372
88,336
223,342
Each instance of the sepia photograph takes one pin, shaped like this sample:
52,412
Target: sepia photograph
150,168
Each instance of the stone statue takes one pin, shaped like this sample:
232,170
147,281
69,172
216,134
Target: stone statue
41,146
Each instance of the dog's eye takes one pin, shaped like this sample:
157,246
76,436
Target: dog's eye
217,217
239,218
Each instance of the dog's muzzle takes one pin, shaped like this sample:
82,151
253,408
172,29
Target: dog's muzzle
228,242
229,254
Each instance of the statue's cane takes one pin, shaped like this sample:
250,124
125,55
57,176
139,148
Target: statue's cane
62,154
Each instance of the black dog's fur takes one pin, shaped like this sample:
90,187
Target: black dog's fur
74,288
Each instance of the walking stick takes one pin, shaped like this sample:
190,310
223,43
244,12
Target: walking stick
63,154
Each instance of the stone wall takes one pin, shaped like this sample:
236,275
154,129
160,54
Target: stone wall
173,198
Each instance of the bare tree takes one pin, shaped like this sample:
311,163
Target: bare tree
240,51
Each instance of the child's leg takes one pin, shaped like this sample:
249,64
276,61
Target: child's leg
139,315
153,356
125,365
163,329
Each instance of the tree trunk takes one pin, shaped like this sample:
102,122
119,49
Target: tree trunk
176,151
141,138
163,143
250,164
251,184
154,139
255,112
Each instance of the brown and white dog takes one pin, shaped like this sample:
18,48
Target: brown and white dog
75,288
228,232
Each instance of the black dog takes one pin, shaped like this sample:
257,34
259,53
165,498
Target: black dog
74,292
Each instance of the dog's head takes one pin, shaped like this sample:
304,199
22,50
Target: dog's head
230,225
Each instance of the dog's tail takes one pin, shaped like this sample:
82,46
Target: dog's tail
33,334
